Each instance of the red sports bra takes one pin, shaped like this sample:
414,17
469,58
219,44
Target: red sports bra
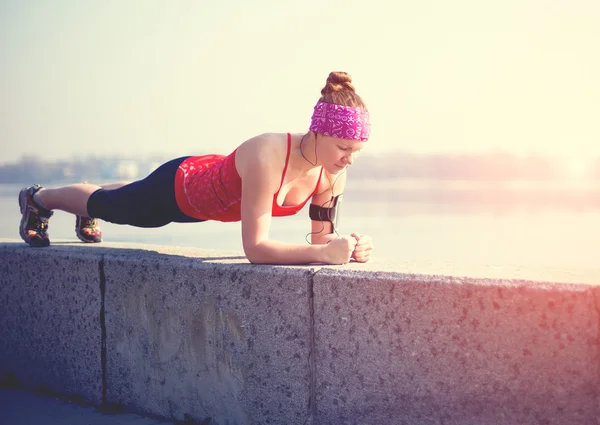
208,187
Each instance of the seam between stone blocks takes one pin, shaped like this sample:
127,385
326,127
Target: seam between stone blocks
102,327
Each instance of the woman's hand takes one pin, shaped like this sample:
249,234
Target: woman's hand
339,250
363,248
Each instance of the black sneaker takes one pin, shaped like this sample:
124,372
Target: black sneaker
34,222
87,229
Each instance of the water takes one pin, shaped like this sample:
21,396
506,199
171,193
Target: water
467,223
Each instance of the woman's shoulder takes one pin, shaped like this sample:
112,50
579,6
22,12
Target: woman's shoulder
265,149
266,141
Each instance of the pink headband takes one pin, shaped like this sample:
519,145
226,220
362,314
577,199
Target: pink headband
344,122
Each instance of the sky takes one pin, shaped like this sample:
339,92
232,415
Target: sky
185,77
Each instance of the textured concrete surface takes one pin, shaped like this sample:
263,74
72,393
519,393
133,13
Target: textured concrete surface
184,333
49,320
417,349
229,342
19,407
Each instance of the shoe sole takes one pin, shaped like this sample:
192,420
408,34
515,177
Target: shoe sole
83,239
22,205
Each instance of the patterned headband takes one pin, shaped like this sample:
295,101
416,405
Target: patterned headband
344,122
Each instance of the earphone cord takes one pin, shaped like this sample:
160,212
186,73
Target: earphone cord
323,206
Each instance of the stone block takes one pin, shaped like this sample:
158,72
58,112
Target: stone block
50,320
188,338
414,349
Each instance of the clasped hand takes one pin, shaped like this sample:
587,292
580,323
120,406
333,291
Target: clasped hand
343,248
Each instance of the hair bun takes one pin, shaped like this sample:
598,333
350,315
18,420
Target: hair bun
339,90
338,81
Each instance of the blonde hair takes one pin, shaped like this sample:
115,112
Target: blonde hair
339,90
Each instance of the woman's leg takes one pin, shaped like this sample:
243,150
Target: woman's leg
145,203
87,228
149,202
72,198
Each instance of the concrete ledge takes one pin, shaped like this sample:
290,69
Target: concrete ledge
50,320
442,350
176,332
230,342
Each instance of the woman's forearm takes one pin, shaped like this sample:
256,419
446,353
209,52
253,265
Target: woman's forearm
275,252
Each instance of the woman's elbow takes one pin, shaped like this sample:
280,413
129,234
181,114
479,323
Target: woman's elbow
255,259
254,254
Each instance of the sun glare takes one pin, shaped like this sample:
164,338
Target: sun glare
576,168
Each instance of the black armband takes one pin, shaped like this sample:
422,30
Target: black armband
318,213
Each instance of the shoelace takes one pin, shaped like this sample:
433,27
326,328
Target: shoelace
88,222
39,223
43,224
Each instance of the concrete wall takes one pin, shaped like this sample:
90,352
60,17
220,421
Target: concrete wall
187,333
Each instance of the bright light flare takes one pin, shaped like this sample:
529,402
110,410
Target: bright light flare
576,168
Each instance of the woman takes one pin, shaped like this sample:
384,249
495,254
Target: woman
268,175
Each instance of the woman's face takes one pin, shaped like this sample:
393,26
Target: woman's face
336,154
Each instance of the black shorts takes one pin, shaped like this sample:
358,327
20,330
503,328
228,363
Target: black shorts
144,203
